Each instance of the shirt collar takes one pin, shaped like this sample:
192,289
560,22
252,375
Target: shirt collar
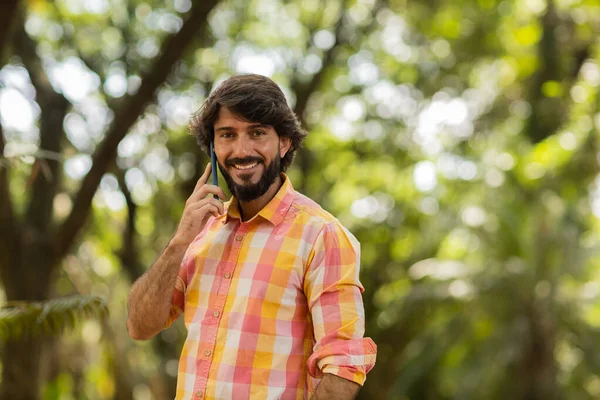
275,210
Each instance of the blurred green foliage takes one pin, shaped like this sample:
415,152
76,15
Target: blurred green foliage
48,317
458,140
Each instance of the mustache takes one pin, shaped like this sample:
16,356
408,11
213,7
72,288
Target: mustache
246,160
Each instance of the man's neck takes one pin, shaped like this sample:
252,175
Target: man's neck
248,209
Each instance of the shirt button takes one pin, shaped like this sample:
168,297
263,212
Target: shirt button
227,275
216,314
207,352
239,238
199,393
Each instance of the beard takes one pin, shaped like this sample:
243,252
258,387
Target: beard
249,191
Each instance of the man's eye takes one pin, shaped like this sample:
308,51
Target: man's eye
226,135
259,133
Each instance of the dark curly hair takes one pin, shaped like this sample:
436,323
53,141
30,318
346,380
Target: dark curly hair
253,98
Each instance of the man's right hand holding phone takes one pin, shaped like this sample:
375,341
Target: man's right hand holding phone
198,208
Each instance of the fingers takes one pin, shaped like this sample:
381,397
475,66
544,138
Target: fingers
203,212
216,190
215,205
206,190
202,189
204,178
214,211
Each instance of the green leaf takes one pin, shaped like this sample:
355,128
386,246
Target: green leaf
19,318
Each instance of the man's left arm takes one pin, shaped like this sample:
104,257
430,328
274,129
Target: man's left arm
341,355
334,387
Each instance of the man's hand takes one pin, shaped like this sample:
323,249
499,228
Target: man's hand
333,387
198,208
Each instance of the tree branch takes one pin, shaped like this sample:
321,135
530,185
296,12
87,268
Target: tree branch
5,200
9,233
171,51
54,108
8,12
545,115
128,254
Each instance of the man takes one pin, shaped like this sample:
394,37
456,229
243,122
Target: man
267,282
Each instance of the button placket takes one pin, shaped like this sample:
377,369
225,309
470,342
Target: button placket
207,351
218,306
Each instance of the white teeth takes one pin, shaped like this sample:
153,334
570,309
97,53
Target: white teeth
246,166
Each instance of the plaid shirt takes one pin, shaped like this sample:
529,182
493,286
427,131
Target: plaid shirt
270,304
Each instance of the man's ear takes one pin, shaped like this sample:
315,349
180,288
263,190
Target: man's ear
284,145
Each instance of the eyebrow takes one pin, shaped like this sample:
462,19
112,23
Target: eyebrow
229,128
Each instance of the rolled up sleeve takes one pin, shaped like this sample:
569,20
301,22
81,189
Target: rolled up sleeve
334,295
177,302
178,299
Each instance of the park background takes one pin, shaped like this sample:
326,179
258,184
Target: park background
458,140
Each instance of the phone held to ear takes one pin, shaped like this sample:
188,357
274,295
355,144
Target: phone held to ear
213,161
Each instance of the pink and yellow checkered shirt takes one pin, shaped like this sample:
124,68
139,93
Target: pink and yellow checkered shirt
270,304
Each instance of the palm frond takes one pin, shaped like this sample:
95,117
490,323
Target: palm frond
51,317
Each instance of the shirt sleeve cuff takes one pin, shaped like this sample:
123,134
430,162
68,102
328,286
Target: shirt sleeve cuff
348,359
351,374
177,302
174,313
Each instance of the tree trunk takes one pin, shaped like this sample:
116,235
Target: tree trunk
538,367
20,372
30,280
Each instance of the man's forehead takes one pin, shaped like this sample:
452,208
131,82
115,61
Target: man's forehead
228,120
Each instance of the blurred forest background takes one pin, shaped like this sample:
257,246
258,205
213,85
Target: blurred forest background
458,140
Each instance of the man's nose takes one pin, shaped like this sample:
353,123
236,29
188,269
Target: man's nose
242,147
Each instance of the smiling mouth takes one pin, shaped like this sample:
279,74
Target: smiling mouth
244,167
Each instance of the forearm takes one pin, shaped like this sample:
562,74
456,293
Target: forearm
333,387
150,298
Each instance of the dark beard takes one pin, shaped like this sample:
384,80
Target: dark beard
251,191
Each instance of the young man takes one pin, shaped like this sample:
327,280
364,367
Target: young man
267,282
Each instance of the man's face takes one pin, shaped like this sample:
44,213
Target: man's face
249,155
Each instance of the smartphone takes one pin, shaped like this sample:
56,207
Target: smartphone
213,161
